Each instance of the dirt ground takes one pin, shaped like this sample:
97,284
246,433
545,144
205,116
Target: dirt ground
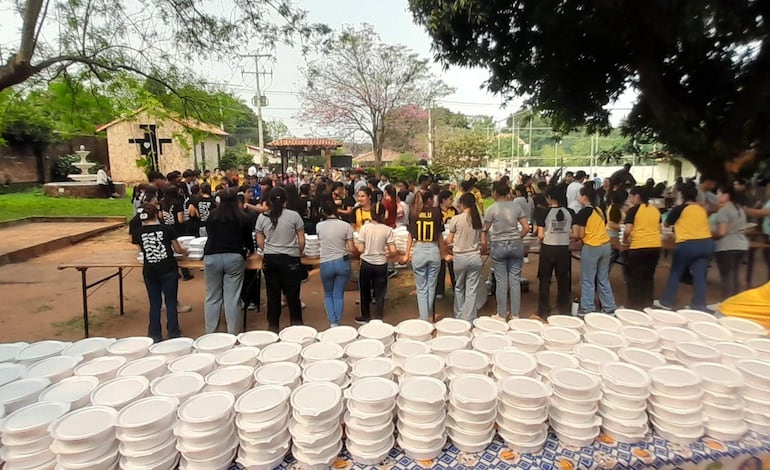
39,301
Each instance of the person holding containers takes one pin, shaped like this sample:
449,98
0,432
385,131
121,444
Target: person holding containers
464,237
642,237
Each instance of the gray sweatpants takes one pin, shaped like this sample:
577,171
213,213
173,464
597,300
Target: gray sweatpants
224,279
467,269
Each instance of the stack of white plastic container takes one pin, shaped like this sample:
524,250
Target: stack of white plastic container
54,368
240,356
424,365
206,431
491,343
315,424
744,330
472,411
342,335
234,379
592,357
85,438
574,405
369,419
120,391
757,389
567,321
405,348
334,371
623,406
522,415
199,362
488,325
511,361
322,351
604,330
414,329
286,374
195,247
179,385
422,417
466,361
724,418
550,360
443,345
452,327
149,367
145,430
526,341
675,406
381,367
262,421
301,334
559,338
25,436
380,331
670,337
312,246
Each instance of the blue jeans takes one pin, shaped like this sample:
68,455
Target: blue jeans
693,256
467,269
426,262
160,286
595,273
335,275
507,258
224,280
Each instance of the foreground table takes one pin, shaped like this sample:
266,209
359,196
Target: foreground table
654,453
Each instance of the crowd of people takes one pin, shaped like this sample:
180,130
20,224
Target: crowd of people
449,230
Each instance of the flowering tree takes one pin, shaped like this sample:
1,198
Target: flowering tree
359,81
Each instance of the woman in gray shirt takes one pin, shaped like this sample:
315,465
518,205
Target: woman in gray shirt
731,242
464,234
336,237
280,233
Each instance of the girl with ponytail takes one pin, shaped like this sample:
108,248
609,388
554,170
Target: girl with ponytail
464,236
553,229
336,237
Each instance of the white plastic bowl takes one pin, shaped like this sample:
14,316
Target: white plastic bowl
31,421
731,411
664,318
280,352
33,352
85,428
151,415
567,321
373,367
364,457
374,395
532,446
88,348
670,336
317,401
76,391
693,316
421,453
573,417
342,335
526,391
510,361
470,443
53,368
443,345
711,332
690,353
675,380
677,434
150,367
743,329
526,341
559,336
215,343
403,348
681,401
607,339
179,385
240,356
172,348
257,338
608,408
424,365
321,351
489,325
467,361
529,325
732,352
300,334
360,419
334,371
639,336
624,401
423,390
602,322
364,348
756,372
379,330
474,392
261,402
121,391
452,327
630,317
103,368
132,348
278,373
491,343
577,404
592,356
200,363
761,346
414,328
207,410
641,358
626,378
726,434
20,393
10,371
462,414
573,383
548,360
233,379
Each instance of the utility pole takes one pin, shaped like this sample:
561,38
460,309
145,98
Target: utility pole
258,100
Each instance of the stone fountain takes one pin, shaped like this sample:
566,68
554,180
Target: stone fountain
84,165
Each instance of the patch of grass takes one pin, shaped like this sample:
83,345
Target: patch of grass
44,308
76,323
35,203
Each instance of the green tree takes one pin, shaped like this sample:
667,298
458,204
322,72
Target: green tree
700,67
458,149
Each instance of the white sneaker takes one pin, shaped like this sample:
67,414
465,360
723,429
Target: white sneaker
498,317
334,325
302,304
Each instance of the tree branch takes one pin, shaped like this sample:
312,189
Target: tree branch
28,31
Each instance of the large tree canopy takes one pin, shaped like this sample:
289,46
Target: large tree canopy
701,68
153,38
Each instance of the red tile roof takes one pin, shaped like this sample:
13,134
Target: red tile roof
387,156
302,142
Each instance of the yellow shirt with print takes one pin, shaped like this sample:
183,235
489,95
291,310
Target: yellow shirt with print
362,216
646,227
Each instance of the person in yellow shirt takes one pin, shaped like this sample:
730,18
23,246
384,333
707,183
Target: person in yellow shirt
590,226
752,304
643,231
694,248
363,211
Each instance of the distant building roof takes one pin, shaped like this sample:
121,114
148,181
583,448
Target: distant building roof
387,156
304,142
255,148
187,122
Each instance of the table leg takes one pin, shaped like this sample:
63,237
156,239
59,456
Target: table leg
85,300
120,288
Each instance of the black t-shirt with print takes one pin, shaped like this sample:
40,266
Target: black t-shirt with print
155,242
169,210
204,206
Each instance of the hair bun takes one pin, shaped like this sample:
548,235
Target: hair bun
144,215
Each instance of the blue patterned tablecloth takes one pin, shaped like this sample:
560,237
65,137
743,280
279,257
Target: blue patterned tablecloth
750,453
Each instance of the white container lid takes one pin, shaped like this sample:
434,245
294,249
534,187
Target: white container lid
709,331
322,351
473,388
409,347
326,371
642,357
448,343
559,335
373,367
603,322
423,364
230,375
490,325
262,398
467,360
40,350
177,384
278,373
133,345
453,326
514,362
342,334
697,351
640,335
173,346
491,343
21,389
573,380
660,316
206,407
372,390
11,371
735,350
761,345
673,335
693,316
632,317
301,334
755,371
743,327
70,390
88,347
719,374
238,356
414,328
554,359
280,352
362,348
146,411
120,391
84,423
674,376
145,366
423,390
567,321
53,367
215,342
607,339
35,417
9,351
525,338
377,329
524,387
315,398
257,338
101,366
625,375
195,362
594,354
526,324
